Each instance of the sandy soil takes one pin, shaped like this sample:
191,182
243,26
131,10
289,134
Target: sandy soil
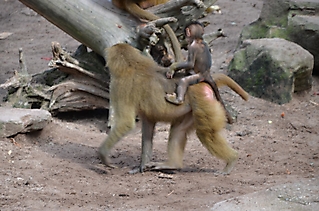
57,168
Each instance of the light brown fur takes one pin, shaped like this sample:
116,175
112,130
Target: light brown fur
138,86
142,3
136,8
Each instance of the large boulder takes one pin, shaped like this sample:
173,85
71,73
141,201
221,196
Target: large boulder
17,120
304,30
272,69
293,20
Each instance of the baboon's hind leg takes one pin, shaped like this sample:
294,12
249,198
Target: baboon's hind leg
209,121
217,145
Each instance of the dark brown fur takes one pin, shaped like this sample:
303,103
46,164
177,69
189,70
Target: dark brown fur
138,86
200,61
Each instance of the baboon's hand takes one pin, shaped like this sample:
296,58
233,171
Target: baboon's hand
170,74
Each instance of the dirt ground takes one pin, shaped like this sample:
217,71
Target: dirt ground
58,169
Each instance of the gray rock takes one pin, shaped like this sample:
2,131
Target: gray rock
274,12
272,69
17,120
299,196
293,20
304,30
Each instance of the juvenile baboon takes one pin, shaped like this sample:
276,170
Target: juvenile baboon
138,86
200,61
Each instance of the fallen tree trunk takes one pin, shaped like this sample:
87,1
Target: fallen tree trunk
98,24
80,81
95,25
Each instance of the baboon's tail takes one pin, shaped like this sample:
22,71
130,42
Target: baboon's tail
223,80
209,120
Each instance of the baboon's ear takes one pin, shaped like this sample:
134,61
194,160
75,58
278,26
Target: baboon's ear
188,32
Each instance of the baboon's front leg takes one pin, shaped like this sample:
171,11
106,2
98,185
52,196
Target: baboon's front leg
147,144
121,127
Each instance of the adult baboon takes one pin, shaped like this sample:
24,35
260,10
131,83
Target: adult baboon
138,87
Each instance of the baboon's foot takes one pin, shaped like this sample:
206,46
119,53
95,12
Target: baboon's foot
160,166
134,170
172,99
154,166
229,166
104,157
137,169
